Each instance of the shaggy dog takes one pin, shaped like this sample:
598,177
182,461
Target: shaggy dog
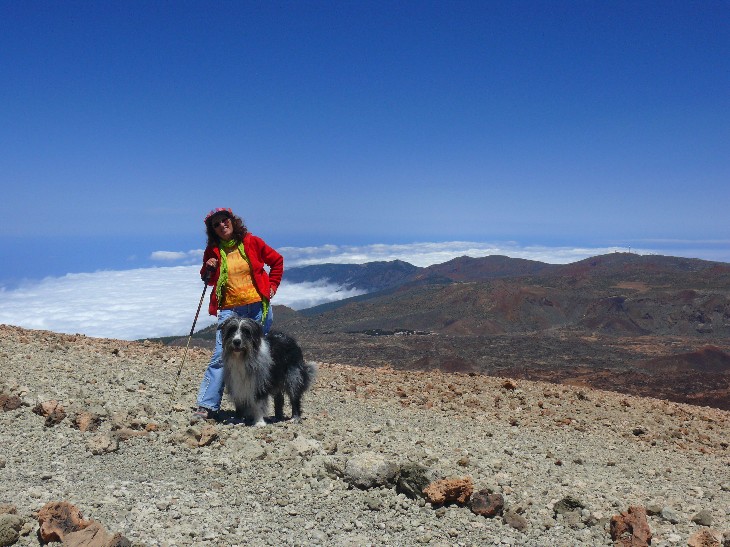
256,366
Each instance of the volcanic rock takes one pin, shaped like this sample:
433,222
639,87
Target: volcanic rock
10,526
304,447
630,528
208,434
412,480
703,518
94,535
87,421
670,515
486,504
509,385
102,444
9,402
197,436
59,518
52,411
453,490
705,538
515,520
369,470
126,433
567,505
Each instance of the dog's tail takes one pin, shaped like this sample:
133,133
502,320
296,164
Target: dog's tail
309,371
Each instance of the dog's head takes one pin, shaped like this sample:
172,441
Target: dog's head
240,334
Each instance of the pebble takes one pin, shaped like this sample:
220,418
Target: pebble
670,515
703,518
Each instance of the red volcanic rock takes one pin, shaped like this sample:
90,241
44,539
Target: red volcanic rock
95,535
86,421
59,518
509,384
487,505
454,490
9,402
52,411
208,434
630,528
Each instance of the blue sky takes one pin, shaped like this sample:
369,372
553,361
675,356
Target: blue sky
508,125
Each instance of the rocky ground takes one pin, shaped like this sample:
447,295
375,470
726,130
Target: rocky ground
563,460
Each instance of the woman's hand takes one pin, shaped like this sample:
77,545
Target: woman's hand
212,263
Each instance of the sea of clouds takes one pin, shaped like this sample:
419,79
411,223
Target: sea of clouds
162,300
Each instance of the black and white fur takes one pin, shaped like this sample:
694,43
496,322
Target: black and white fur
257,366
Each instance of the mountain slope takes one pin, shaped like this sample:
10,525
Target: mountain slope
123,451
593,323
619,293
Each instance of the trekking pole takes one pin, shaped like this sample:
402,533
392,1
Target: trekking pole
202,296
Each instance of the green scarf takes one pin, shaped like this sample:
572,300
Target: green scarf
223,277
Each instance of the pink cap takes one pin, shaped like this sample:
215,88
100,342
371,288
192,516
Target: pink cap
216,211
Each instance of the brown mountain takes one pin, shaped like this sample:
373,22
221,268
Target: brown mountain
599,322
466,268
620,293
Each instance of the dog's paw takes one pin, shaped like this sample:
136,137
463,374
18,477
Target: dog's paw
260,423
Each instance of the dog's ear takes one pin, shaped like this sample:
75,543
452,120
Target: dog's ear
222,326
257,329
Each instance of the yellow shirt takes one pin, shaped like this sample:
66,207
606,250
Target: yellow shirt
239,289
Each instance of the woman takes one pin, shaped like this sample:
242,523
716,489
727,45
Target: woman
233,263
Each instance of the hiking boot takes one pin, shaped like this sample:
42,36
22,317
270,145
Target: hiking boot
203,413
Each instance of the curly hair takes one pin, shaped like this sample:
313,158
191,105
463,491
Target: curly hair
239,230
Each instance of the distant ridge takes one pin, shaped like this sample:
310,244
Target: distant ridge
616,293
466,268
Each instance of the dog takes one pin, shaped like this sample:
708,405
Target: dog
257,366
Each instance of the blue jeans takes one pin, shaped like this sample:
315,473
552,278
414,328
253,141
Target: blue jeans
211,388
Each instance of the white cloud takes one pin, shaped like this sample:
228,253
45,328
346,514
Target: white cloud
187,257
162,301
126,304
305,295
132,304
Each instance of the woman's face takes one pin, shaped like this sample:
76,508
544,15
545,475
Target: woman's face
223,227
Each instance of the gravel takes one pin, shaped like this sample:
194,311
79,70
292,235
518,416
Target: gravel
564,459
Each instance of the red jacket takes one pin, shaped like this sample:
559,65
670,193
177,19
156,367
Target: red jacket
258,253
